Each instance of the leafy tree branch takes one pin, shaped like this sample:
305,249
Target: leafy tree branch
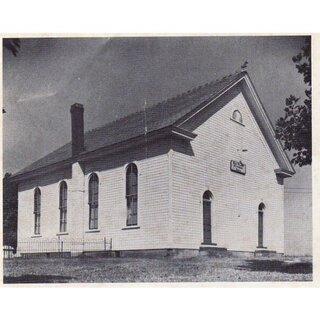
295,129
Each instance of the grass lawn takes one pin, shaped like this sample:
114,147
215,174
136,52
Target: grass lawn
197,269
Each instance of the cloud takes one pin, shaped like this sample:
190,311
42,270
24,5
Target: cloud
36,96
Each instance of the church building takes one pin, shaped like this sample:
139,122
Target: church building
200,170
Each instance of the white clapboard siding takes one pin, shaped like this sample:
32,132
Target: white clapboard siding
49,220
153,200
153,204
298,222
235,197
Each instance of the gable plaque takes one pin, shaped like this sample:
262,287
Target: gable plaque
238,166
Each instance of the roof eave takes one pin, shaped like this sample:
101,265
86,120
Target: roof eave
283,173
183,134
46,169
84,156
143,138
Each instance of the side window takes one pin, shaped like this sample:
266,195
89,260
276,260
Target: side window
63,206
132,194
37,210
93,201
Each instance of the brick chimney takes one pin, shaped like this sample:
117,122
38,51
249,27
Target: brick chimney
77,128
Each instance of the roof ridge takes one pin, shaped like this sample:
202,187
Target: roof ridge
195,89
168,100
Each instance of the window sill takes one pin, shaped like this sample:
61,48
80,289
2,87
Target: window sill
208,244
36,236
92,231
62,233
130,227
262,247
237,122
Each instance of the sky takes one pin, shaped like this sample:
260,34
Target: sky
113,77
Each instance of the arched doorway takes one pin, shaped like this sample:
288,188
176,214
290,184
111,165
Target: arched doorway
206,207
261,210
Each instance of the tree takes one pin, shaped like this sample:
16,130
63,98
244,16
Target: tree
10,211
13,45
294,129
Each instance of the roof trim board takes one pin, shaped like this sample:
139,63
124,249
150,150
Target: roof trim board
190,115
245,77
268,122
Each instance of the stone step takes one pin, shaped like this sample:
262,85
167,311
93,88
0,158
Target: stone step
213,250
266,253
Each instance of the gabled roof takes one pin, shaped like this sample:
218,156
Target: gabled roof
164,114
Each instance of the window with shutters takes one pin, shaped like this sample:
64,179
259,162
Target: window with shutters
63,206
93,201
132,194
37,210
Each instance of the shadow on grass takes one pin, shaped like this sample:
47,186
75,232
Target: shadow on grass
277,266
32,278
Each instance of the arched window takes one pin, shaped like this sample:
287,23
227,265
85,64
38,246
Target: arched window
236,116
207,196
63,206
93,201
132,194
261,210
261,206
206,208
37,210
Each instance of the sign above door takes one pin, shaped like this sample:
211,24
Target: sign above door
238,166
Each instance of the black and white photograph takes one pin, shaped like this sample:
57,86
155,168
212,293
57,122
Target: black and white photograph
157,159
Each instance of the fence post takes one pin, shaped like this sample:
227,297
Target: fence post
105,243
110,244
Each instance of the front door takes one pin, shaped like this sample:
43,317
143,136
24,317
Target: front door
260,229
207,222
